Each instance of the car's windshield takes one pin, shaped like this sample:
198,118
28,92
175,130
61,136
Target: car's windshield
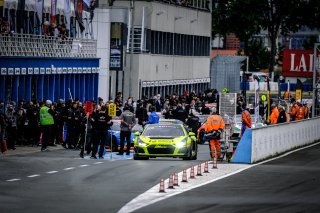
170,131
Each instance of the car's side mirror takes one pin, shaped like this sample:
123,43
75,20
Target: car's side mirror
192,134
137,133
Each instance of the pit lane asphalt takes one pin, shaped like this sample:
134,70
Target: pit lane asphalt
59,181
288,184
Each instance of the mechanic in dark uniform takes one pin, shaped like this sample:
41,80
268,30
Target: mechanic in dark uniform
193,121
101,123
128,121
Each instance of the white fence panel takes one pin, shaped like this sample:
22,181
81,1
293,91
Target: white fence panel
272,140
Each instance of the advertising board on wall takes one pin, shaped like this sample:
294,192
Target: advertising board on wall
298,63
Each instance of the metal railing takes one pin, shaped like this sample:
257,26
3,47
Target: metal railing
46,46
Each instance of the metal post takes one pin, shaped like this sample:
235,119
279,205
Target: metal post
131,46
314,83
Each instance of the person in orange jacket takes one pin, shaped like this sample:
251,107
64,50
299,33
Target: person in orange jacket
214,123
300,111
274,114
293,110
306,110
246,120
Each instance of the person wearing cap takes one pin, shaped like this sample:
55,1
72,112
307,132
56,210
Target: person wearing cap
274,114
300,111
46,122
246,120
214,123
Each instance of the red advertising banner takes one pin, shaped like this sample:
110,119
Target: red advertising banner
298,63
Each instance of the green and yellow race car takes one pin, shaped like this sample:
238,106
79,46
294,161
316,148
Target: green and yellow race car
165,140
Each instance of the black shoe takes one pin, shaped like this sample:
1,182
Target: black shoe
81,155
93,157
128,153
44,150
101,157
70,147
120,153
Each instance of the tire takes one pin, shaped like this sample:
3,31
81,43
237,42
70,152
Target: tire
190,155
195,150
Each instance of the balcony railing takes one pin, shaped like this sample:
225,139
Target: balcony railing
46,46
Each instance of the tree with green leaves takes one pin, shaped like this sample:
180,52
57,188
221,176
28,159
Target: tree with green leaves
246,18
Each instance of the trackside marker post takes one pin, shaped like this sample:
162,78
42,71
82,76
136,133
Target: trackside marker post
161,185
215,166
170,182
184,176
175,179
199,170
206,167
192,172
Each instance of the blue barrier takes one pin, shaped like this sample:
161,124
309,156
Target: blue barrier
243,151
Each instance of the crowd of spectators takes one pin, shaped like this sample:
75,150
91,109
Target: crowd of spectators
21,121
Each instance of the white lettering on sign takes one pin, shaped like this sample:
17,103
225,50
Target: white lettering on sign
303,66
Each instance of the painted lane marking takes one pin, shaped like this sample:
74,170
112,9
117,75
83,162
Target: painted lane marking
69,168
98,163
152,195
51,172
12,180
84,165
32,176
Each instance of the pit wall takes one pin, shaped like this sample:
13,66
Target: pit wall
265,142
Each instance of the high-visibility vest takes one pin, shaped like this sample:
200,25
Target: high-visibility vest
213,123
45,117
246,119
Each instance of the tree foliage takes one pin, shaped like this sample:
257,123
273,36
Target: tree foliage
246,18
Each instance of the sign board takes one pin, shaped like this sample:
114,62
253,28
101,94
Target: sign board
298,63
228,104
298,94
17,71
3,71
263,98
23,71
88,107
30,71
36,71
112,110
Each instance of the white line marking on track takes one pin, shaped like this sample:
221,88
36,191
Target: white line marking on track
32,176
98,162
69,168
152,195
51,172
12,180
84,165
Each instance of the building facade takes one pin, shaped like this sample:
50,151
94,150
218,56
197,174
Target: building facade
169,51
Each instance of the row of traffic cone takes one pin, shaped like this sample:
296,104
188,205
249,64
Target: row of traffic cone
173,178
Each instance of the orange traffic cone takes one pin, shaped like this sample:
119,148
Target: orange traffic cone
214,166
161,185
175,179
170,182
206,167
184,176
199,170
192,172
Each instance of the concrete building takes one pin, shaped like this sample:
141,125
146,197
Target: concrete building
170,50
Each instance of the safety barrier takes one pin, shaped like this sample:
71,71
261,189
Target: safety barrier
262,143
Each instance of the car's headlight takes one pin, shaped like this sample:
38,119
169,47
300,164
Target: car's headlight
181,144
141,143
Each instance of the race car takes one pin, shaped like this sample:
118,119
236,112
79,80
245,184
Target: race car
165,140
